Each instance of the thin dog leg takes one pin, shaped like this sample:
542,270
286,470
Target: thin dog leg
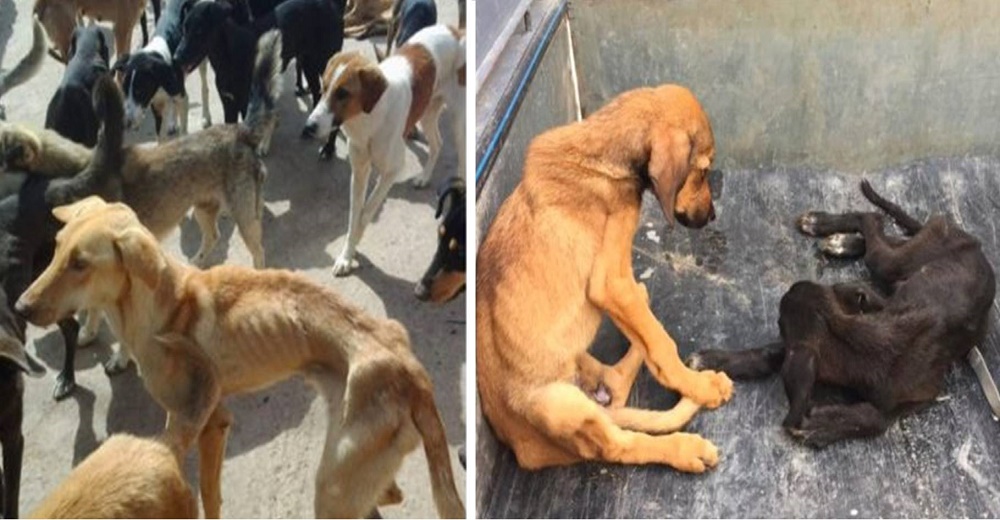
829,424
616,380
211,450
361,168
66,380
206,116
752,363
13,454
207,217
799,375
431,125
581,430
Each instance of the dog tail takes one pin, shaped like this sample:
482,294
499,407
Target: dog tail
265,88
428,422
908,223
30,64
753,363
108,153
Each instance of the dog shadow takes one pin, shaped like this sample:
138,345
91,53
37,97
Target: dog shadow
437,335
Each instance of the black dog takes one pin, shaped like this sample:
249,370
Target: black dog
883,351
13,362
71,110
311,32
445,278
28,228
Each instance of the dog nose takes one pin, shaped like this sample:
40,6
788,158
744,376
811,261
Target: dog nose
22,309
309,131
422,291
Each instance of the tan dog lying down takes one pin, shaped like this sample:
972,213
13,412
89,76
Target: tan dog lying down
559,255
200,335
126,477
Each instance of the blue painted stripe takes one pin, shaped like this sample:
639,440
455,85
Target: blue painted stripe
522,86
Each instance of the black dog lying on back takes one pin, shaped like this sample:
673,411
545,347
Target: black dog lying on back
883,351
445,277
311,32
71,110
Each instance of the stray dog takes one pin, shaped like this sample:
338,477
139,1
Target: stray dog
885,349
376,105
60,19
126,477
199,336
71,110
559,255
445,277
27,67
311,32
13,362
151,79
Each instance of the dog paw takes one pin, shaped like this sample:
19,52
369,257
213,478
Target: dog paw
843,245
694,454
64,387
116,365
695,361
343,266
420,182
807,223
712,389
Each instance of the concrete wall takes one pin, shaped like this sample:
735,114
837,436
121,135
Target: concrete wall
847,85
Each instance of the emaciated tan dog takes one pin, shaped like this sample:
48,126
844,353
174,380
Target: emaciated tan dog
198,336
126,477
559,255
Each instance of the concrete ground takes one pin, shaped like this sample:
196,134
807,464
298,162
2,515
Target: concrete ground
276,441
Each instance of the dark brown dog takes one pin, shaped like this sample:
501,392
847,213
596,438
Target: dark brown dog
558,256
884,351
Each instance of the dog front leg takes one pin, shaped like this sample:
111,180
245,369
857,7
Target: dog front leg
612,288
361,168
13,454
66,380
206,115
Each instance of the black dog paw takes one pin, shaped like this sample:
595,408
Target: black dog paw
64,387
843,245
811,223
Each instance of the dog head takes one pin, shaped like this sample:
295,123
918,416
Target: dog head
19,147
445,278
352,85
101,252
202,24
678,171
89,44
142,74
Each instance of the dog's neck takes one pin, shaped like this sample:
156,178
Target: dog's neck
142,312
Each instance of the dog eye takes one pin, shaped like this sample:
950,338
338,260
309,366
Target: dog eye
77,264
453,245
340,94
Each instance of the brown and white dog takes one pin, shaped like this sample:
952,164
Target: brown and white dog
198,336
377,105
126,477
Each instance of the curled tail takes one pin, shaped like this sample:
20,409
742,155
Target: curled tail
265,88
908,223
29,65
428,422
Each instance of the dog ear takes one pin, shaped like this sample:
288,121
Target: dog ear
373,85
140,256
669,164
78,209
13,350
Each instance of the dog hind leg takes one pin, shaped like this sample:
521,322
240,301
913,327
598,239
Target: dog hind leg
581,430
206,214
206,115
430,123
799,375
211,450
596,378
832,423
